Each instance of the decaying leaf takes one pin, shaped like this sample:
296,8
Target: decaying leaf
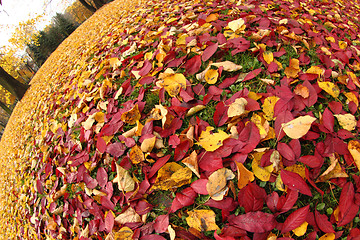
237,108
194,110
302,91
330,88
211,76
212,141
171,176
333,171
227,66
174,83
124,233
216,185
136,155
192,163
124,179
293,70
346,121
268,107
298,127
132,115
202,220
148,144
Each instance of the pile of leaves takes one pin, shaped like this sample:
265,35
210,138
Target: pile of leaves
191,120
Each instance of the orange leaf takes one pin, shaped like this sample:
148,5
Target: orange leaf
132,115
244,175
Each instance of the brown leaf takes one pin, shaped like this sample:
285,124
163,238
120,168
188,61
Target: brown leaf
216,185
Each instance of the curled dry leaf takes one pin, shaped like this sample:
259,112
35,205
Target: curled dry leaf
136,155
237,108
216,185
354,149
298,127
202,220
194,110
192,163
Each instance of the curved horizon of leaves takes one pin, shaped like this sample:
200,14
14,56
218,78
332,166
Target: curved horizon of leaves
191,120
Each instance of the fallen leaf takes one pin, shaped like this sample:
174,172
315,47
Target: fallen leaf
211,76
136,155
148,144
202,220
174,83
236,24
330,88
262,173
244,175
293,70
132,115
256,222
268,57
295,219
298,127
212,141
128,216
194,110
237,108
295,182
327,236
346,121
124,179
192,163
216,185
268,107
302,91
301,230
172,176
354,149
333,171
227,66
124,233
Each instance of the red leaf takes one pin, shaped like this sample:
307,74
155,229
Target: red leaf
286,151
252,197
290,200
116,149
146,68
328,120
227,204
209,51
348,215
109,222
295,182
220,115
295,219
283,117
193,65
272,201
199,186
157,165
323,223
252,74
152,237
101,177
101,144
183,199
210,162
311,161
161,223
250,135
256,222
347,208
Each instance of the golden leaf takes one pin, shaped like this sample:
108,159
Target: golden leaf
99,117
237,25
237,108
172,175
298,127
124,179
330,88
327,236
244,175
211,76
148,144
202,220
354,149
333,171
293,69
124,233
192,163
262,173
194,110
268,57
212,17
136,155
262,124
174,83
342,44
346,121
115,62
210,142
315,70
300,230
268,107
132,115
297,168
216,185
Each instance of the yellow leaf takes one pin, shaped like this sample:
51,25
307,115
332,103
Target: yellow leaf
262,124
114,62
268,57
210,142
293,69
124,233
99,117
211,76
148,144
124,179
315,70
330,88
297,168
342,44
327,236
136,155
262,173
268,107
301,230
354,149
171,176
128,216
237,108
192,163
333,171
132,115
354,78
202,220
346,121
254,96
298,127
194,110
212,17
174,83
244,175
237,24
216,186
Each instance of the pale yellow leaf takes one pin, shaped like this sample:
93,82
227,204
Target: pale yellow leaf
227,66
236,24
298,127
124,179
237,108
346,121
216,185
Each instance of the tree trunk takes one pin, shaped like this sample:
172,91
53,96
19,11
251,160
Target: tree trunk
15,87
6,109
88,6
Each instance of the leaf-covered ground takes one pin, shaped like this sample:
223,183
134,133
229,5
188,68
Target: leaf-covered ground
191,120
